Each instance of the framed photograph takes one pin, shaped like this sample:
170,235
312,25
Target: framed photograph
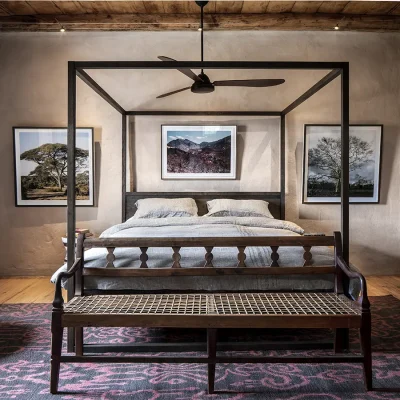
322,163
198,152
40,156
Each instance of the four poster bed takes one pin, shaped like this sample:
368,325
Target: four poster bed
253,271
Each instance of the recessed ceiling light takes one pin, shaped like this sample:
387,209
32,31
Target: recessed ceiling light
336,27
62,29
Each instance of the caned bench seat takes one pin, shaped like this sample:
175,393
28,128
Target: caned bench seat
234,310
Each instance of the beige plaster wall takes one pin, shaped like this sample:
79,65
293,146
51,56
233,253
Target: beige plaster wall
33,89
257,148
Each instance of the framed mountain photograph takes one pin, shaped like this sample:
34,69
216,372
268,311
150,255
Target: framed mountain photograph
40,156
322,163
198,152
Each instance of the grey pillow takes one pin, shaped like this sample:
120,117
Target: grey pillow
163,208
238,208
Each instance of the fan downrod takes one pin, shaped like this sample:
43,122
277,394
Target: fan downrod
202,83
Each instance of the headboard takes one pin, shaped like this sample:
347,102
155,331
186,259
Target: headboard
273,198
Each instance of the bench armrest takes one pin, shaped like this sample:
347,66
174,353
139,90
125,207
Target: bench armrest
58,301
363,297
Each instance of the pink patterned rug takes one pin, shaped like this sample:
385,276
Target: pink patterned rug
24,365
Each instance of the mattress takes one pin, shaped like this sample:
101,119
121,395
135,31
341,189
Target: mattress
194,257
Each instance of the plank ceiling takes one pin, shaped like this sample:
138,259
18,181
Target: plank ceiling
184,15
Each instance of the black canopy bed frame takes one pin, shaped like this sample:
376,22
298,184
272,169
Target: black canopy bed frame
77,69
276,200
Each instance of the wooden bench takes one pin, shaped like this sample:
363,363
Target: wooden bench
336,310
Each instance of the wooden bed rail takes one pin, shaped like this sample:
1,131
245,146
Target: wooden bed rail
201,271
212,241
208,243
339,268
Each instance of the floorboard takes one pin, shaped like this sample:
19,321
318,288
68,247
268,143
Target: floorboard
40,290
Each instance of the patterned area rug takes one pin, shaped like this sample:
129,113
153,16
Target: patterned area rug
24,365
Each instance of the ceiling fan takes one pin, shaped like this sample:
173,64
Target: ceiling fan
202,83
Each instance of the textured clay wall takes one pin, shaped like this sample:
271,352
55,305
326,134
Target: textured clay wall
33,90
257,149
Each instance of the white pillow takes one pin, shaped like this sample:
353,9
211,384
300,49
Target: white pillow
238,208
163,208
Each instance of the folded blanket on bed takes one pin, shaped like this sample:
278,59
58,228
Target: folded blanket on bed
200,227
235,222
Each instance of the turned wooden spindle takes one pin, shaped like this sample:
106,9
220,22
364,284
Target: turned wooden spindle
176,257
307,256
241,256
143,257
274,256
110,257
209,257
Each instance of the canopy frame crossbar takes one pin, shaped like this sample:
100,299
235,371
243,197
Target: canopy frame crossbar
78,69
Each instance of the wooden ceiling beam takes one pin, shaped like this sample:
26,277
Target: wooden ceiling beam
157,22
4,11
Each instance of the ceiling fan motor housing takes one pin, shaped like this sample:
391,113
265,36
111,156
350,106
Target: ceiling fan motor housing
203,86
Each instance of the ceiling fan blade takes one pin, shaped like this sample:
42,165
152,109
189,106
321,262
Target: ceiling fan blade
250,82
186,71
175,91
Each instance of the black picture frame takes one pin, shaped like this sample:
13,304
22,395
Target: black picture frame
352,200
17,198
164,175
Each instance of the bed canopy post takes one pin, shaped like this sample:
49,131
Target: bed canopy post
345,178
76,68
71,143
124,132
283,165
71,203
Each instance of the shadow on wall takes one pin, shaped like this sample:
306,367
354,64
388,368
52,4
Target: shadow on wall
258,152
389,146
306,212
90,213
379,262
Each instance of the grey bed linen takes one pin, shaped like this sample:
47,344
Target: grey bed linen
194,257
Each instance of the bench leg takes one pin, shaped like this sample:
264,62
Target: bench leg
56,347
79,341
70,340
365,339
211,352
341,340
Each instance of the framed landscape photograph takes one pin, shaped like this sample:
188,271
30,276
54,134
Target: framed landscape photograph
198,152
322,163
40,156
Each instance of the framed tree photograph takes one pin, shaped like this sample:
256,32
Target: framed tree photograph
322,163
40,157
198,152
